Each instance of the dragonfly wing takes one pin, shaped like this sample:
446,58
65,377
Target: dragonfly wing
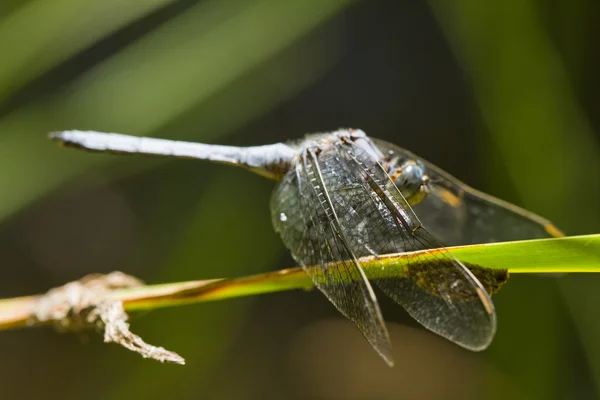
440,293
305,216
457,214
478,217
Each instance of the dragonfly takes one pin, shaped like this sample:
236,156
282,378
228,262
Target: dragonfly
342,196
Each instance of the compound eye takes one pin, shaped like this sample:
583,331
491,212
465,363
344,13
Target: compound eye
409,178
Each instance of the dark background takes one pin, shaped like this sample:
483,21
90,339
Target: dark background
503,95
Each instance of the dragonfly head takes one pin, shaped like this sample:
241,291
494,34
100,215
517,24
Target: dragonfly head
412,181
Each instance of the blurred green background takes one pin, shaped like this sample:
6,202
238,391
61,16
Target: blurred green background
503,95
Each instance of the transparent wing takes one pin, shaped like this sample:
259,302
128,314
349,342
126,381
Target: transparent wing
458,214
306,219
443,295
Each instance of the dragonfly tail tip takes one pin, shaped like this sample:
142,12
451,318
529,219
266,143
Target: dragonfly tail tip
58,135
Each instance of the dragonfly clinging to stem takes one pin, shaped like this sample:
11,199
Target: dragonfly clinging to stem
341,196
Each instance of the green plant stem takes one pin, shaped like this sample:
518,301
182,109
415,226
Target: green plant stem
574,254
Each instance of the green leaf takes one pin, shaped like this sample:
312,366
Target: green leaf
557,255
573,254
